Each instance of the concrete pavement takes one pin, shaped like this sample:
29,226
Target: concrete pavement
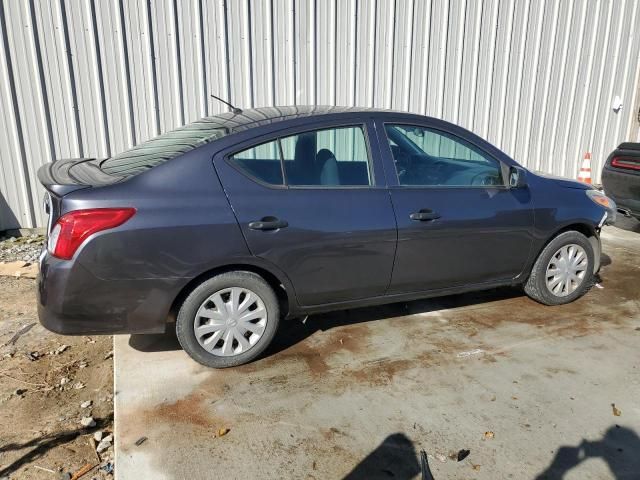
357,394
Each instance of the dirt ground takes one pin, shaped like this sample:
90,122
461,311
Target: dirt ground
44,379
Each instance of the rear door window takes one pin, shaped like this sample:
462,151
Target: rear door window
331,157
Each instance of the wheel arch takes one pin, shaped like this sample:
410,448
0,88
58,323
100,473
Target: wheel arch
588,230
280,285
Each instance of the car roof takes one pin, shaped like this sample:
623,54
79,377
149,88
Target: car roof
254,117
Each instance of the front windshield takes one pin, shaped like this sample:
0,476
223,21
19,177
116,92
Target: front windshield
164,147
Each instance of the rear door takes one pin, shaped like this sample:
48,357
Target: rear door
458,224
313,202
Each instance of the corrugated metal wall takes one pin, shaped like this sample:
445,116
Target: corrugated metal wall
94,77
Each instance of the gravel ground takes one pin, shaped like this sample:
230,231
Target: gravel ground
25,248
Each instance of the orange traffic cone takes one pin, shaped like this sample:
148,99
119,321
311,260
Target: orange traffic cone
585,170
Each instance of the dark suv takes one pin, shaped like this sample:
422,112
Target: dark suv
621,178
235,220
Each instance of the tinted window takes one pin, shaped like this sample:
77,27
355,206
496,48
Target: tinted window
261,162
330,157
434,158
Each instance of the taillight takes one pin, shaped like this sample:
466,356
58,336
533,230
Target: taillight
624,162
75,227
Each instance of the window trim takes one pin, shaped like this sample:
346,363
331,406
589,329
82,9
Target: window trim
502,166
290,132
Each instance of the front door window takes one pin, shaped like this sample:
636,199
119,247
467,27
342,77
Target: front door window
426,157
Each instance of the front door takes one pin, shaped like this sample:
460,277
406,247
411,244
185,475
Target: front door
458,224
310,203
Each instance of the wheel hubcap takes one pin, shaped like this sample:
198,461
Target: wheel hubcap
230,322
566,270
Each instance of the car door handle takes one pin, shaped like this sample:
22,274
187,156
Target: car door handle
424,215
268,223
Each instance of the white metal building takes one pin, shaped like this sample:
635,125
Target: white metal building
545,80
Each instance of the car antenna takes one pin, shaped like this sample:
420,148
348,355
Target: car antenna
235,110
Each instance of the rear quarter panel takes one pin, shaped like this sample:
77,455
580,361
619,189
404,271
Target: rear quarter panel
183,227
183,223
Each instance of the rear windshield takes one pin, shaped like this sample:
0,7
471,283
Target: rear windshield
164,147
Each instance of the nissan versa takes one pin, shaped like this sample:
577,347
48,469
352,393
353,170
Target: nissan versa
236,220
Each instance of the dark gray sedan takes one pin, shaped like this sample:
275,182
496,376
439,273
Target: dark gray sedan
235,221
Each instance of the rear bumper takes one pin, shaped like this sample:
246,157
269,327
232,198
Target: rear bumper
73,301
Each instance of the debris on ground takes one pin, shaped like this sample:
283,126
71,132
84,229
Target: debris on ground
440,457
19,269
223,431
103,445
44,469
83,471
64,381
461,455
59,350
108,355
79,385
475,467
86,404
476,351
107,467
97,436
19,333
87,422
140,441
33,356
616,411
489,435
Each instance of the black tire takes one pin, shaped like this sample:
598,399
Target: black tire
188,310
536,285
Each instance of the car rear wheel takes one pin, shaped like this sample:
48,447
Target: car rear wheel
228,320
563,271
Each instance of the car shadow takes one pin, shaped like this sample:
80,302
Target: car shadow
294,331
605,260
618,448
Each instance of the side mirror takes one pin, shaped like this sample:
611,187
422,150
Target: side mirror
517,177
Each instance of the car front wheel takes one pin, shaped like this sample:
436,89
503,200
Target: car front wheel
228,320
563,271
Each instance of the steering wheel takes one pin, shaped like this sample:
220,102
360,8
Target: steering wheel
484,178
